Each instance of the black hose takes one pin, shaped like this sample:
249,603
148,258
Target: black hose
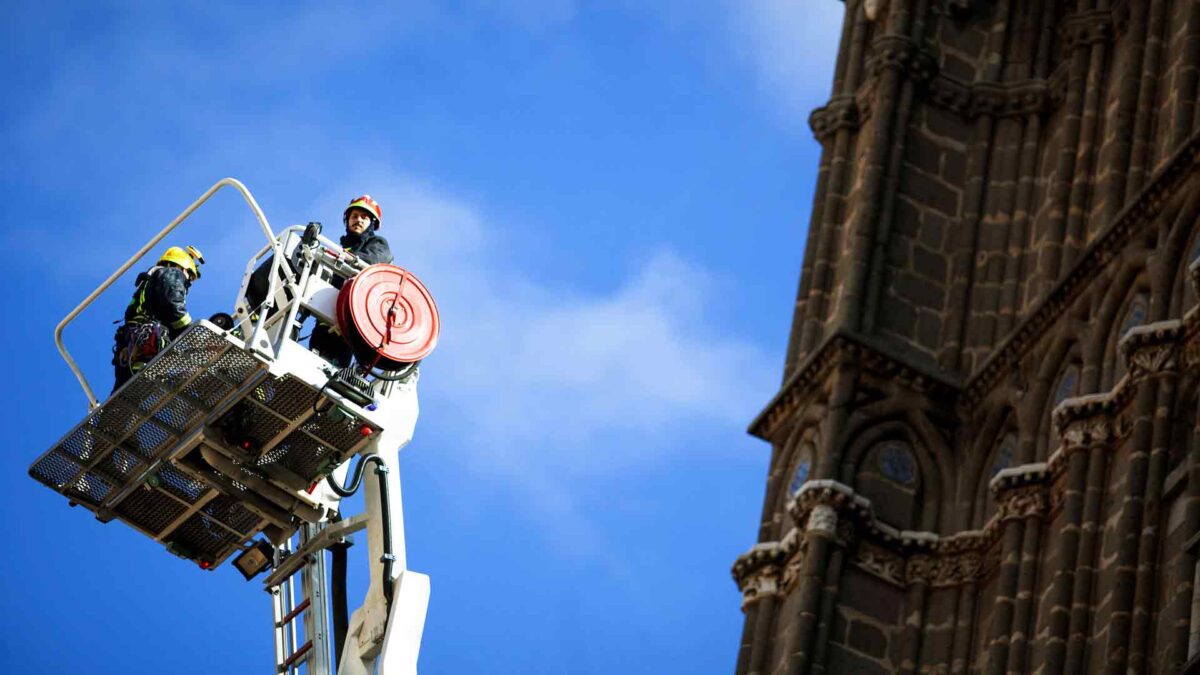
389,558
381,469
355,477
394,375
341,617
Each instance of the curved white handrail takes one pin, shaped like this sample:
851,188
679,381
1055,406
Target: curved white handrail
224,182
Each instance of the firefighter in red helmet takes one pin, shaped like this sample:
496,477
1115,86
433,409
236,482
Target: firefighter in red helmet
362,219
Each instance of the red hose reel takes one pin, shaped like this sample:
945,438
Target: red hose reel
388,317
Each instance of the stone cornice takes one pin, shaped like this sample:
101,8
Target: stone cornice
1131,222
840,113
904,557
1152,349
868,354
1081,421
898,52
996,99
757,571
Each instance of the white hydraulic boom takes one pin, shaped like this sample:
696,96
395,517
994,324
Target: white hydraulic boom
239,440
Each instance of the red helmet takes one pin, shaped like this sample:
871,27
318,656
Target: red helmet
366,204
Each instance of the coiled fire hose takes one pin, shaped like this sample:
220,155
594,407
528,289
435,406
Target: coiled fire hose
389,319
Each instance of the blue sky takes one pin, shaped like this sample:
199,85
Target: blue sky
608,201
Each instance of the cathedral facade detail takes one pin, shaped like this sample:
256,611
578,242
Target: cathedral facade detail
985,453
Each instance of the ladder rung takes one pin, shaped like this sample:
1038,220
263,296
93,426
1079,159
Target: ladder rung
300,654
294,613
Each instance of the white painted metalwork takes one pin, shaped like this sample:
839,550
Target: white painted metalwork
229,434
58,330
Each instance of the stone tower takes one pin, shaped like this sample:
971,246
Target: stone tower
984,453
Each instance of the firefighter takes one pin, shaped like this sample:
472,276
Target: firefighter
158,311
362,219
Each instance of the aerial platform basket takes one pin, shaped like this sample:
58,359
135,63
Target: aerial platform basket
231,432
185,450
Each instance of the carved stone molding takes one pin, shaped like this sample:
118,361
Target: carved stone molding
1083,420
757,571
1019,476
996,99
822,519
936,568
897,52
1088,28
919,569
1152,349
950,93
843,349
1021,503
881,562
899,557
760,586
796,554
840,113
830,497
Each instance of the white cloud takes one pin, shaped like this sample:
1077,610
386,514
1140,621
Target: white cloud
549,387
792,45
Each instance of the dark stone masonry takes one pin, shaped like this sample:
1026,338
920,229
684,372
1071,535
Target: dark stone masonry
985,453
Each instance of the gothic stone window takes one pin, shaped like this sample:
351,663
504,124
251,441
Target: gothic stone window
1068,384
1135,315
1189,293
1003,458
1005,455
891,478
803,468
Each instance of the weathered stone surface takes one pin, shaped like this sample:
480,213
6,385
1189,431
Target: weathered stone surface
1008,176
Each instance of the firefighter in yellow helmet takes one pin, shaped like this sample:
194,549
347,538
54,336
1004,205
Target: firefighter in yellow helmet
158,311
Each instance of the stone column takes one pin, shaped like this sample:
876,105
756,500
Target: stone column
1050,248
1082,426
820,530
757,574
844,127
1143,127
1187,598
1153,356
917,573
1019,504
1128,530
1094,30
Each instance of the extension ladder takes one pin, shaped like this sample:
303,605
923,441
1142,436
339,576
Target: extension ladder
302,632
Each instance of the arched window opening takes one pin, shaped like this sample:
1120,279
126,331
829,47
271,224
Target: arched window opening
1068,385
1005,455
890,477
804,459
1189,293
1135,315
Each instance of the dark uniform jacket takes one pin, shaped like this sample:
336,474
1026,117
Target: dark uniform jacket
368,246
161,296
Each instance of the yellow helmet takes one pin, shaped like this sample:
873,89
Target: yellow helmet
190,259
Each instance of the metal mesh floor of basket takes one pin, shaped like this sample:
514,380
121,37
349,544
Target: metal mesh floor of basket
114,461
133,458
